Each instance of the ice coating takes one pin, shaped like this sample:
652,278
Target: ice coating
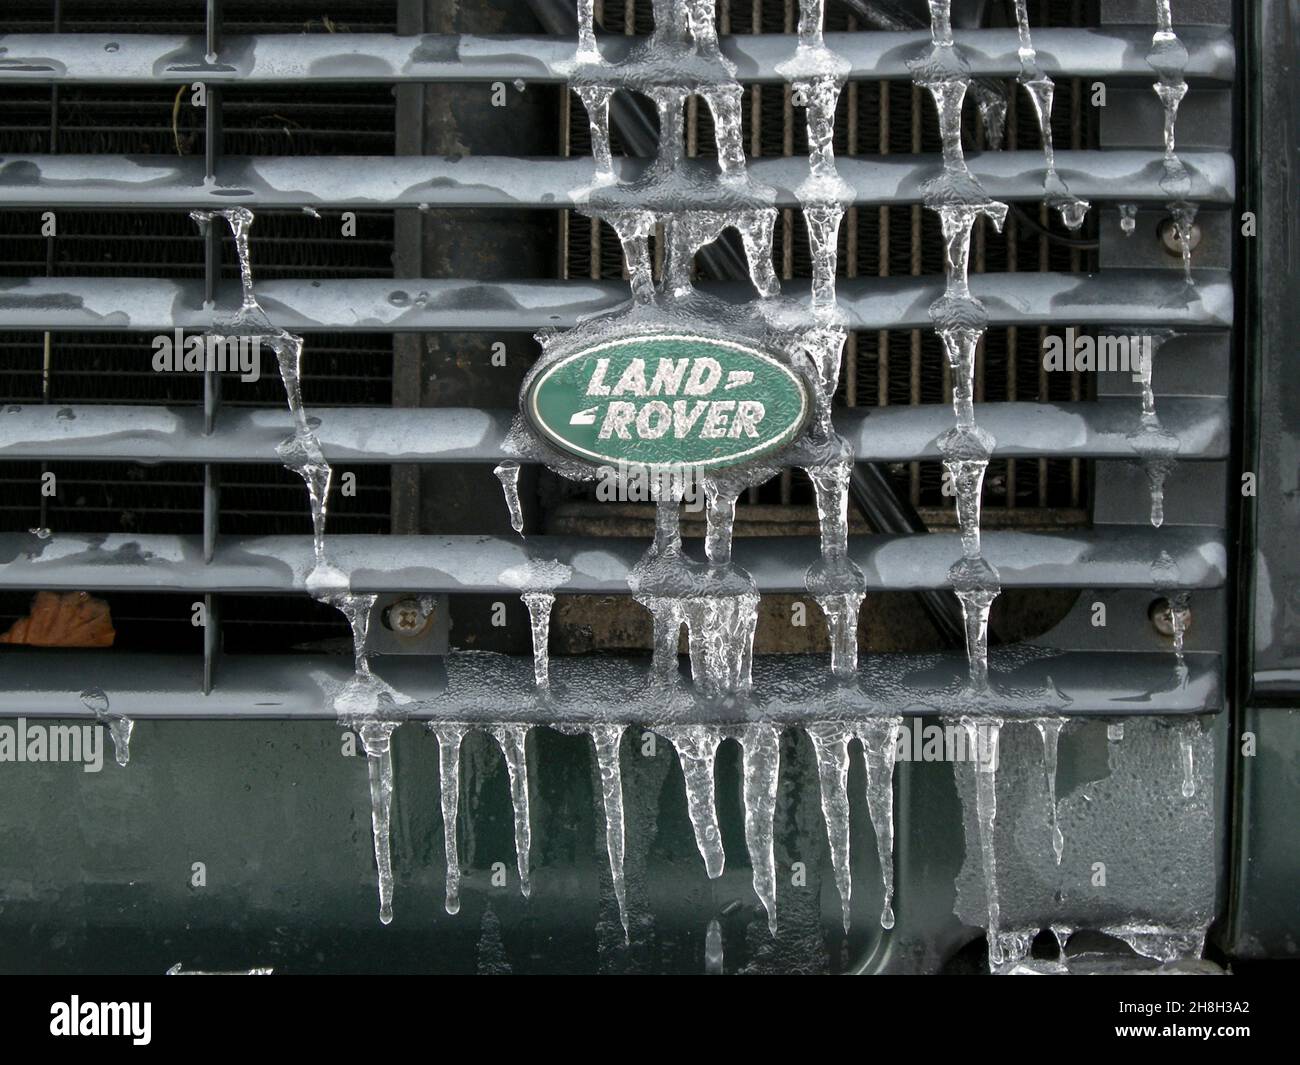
120,727
511,738
376,739
761,763
1168,58
880,747
831,746
1041,91
697,750
607,739
1050,730
449,741
960,320
1164,945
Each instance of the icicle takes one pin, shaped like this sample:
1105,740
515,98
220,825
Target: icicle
713,960
982,736
539,614
1168,58
587,30
302,452
960,320
607,739
1187,737
697,748
1184,215
1128,218
1041,91
596,99
836,583
511,739
879,741
1062,933
120,727
1050,731
508,474
449,741
376,739
761,763
831,745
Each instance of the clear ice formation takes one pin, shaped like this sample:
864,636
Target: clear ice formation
983,737
697,750
1049,729
365,703
1042,90
376,739
450,737
761,764
960,320
879,739
511,739
715,599
1168,58
120,727
830,741
607,739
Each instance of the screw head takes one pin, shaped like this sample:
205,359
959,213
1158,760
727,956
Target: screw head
1169,237
409,617
1162,614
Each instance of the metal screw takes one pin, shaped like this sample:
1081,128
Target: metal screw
1169,237
1161,614
409,617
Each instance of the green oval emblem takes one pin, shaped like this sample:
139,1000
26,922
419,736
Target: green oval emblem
668,400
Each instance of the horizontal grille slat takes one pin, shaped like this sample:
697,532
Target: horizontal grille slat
160,181
495,688
1114,556
1114,297
370,58
1099,429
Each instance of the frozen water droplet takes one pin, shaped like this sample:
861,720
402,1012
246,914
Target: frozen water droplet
120,727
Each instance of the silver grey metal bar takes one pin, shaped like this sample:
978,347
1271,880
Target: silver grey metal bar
1113,556
368,57
1135,298
788,689
159,181
1099,429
